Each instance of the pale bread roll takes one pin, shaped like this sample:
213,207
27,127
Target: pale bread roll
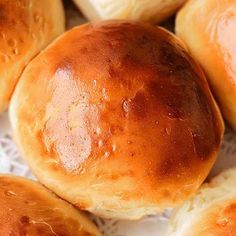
211,212
145,10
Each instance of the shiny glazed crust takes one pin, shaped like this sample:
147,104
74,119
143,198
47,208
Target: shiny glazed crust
118,119
27,208
208,29
26,26
145,10
211,212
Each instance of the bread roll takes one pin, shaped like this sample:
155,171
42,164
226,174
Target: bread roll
118,119
27,208
211,212
208,29
145,10
26,26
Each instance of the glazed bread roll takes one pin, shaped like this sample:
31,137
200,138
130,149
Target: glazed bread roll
208,29
145,10
211,212
118,119
26,26
27,208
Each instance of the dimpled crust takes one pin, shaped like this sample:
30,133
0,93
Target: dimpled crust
26,26
117,119
208,29
211,212
27,208
145,10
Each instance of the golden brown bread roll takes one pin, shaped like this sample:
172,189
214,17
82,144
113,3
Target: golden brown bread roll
27,208
145,10
118,119
208,29
26,26
211,212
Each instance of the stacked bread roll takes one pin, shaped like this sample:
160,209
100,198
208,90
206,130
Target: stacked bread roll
145,10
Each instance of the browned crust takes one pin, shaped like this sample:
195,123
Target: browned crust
29,209
120,105
26,27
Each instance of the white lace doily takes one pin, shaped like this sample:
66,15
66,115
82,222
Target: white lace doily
11,162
